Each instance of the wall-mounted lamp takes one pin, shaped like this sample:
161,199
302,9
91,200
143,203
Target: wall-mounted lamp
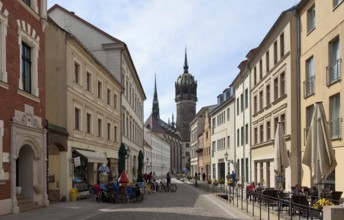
128,153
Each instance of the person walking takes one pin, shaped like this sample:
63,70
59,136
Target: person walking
168,180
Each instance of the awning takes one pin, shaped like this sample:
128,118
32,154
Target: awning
92,157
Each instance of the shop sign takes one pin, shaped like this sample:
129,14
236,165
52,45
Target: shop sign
77,161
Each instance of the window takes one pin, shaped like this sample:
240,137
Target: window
311,18
267,57
214,125
26,68
309,115
335,120
261,130
336,3
100,88
28,2
242,136
255,104
228,142
100,126
255,75
268,130
238,137
246,134
275,53
282,45
242,102
228,115
255,135
246,98
276,88
115,101
29,51
3,33
282,83
108,96
108,131
333,70
309,83
77,118
213,146
89,123
267,95
260,69
238,106
261,100
76,73
88,82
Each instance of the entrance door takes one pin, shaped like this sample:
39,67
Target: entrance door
221,169
24,171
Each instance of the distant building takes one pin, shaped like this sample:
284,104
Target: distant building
164,141
274,98
223,135
200,142
186,98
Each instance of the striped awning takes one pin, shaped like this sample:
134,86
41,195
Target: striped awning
104,168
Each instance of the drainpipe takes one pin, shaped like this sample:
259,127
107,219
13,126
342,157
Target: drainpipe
298,133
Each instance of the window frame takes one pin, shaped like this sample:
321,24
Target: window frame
3,36
311,19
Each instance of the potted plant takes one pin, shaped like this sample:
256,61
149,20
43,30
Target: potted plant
215,182
209,181
221,181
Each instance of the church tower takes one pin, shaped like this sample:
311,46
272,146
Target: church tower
155,108
186,98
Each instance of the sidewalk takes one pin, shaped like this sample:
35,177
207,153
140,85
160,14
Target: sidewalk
251,208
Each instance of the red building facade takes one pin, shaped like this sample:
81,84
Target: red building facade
22,104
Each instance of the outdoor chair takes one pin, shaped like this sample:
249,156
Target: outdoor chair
335,197
299,204
283,201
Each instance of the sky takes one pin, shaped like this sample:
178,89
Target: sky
217,35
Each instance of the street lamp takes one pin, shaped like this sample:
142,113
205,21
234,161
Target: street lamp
148,164
128,153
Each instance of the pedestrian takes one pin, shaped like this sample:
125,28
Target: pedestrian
233,177
145,177
250,190
168,179
203,176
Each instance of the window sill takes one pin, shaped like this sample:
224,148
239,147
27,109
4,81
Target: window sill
29,96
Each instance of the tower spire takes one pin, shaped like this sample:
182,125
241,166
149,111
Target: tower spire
186,67
155,108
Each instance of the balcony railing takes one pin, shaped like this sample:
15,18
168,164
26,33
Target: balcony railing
336,128
333,72
308,87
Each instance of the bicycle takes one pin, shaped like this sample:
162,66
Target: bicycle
164,188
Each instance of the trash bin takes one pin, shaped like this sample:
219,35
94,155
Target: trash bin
73,194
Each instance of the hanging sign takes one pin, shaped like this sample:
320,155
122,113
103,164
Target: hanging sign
77,161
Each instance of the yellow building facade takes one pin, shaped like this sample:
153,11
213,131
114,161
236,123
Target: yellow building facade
321,32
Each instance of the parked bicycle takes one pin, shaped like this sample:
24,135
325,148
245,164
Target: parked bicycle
164,188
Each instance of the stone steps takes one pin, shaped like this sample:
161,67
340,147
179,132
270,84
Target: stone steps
25,204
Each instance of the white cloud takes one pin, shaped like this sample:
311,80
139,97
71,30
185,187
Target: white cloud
218,34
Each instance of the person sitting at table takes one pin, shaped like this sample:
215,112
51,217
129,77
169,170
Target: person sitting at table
250,189
283,197
297,191
314,194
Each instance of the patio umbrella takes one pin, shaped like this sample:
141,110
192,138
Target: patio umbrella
319,155
121,158
104,168
281,160
140,165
